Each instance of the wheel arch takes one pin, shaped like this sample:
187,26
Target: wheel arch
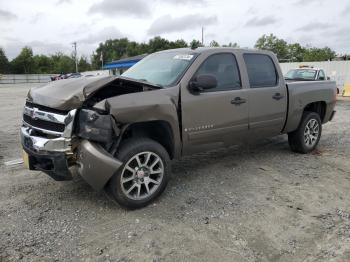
296,112
319,107
157,130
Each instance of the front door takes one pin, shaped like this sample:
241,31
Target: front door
218,116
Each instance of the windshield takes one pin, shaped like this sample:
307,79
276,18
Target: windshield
161,68
301,74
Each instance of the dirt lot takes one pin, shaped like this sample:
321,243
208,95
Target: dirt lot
256,203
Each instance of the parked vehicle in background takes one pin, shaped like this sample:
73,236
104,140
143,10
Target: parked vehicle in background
306,73
121,132
66,76
73,75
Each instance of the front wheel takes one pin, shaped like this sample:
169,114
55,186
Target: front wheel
306,137
144,174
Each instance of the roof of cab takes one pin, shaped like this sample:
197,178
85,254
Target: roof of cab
200,50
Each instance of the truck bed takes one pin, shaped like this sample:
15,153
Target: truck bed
301,94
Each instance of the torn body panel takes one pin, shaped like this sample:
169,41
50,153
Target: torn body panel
73,93
157,105
95,164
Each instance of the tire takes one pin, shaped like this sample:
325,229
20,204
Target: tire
145,182
306,137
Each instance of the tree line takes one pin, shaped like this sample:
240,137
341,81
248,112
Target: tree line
113,49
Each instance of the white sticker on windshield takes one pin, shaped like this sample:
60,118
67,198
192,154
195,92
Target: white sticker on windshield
183,57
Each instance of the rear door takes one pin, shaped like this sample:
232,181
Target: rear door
218,116
267,95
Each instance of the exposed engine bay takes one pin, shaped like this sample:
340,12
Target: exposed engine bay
119,86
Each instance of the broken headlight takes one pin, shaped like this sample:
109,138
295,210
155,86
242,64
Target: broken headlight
94,126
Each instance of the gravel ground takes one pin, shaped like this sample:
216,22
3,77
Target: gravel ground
256,203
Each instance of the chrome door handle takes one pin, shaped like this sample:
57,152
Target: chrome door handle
277,96
238,101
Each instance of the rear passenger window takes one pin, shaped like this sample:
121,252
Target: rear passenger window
224,67
261,70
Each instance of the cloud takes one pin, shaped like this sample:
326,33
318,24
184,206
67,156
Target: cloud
106,33
113,8
346,10
190,2
168,24
14,47
303,2
36,17
252,10
6,15
341,34
256,21
60,2
314,26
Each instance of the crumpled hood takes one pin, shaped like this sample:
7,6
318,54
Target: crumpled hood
68,94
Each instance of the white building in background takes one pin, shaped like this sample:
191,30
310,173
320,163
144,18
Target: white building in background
336,70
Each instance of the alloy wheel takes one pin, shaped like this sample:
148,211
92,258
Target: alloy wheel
142,175
311,132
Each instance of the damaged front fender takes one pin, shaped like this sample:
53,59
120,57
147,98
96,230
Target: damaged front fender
95,165
156,105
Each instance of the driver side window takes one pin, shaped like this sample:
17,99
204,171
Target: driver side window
225,69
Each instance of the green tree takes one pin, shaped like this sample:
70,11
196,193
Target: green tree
295,52
178,44
115,49
318,54
5,67
234,45
42,64
158,44
195,44
62,63
83,64
24,63
214,44
274,44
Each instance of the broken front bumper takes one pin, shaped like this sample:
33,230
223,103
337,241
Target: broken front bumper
54,157
47,155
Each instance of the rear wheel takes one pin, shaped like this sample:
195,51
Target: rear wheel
144,174
306,137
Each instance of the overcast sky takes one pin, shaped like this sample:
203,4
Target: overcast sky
49,26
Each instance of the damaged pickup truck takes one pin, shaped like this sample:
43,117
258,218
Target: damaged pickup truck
121,132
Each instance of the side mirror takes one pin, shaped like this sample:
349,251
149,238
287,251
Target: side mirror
328,78
203,82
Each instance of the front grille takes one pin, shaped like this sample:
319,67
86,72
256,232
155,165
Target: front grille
42,124
47,109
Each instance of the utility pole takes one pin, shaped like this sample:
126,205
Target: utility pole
75,56
101,59
202,36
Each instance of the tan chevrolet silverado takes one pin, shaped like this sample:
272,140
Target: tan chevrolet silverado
120,133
